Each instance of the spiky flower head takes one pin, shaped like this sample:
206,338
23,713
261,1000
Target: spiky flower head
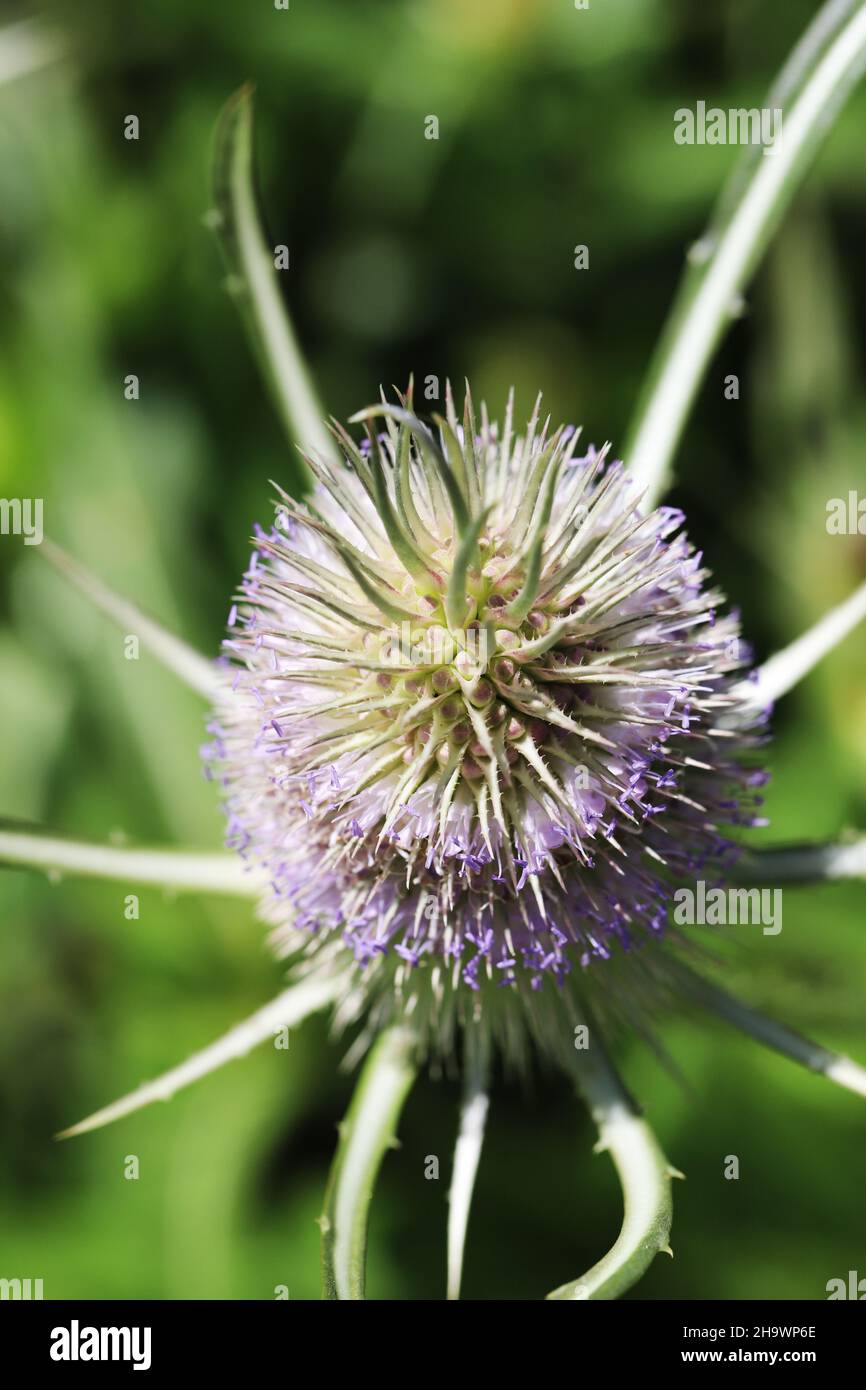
480,718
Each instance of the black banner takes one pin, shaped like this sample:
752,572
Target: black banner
82,1339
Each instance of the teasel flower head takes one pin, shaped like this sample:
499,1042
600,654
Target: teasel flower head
480,717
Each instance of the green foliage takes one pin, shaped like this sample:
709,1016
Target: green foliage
452,257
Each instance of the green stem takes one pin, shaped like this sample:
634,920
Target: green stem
253,278
187,871
786,668
834,1065
807,863
644,1173
288,1009
26,47
365,1134
467,1151
822,72
194,670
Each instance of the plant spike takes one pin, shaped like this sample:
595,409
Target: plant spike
806,863
291,1007
365,1135
192,668
467,1151
252,278
726,256
788,667
181,871
431,452
834,1065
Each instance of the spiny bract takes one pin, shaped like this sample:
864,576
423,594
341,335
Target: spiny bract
480,717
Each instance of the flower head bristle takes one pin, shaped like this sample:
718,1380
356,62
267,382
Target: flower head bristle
481,712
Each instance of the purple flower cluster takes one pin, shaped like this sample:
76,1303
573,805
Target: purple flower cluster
517,797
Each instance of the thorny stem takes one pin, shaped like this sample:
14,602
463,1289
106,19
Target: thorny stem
365,1134
730,251
644,1173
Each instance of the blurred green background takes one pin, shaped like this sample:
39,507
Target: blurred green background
452,257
